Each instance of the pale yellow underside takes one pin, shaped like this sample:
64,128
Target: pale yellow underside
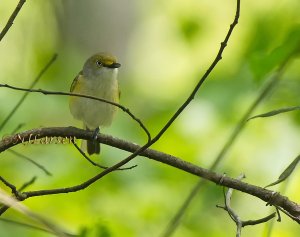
95,113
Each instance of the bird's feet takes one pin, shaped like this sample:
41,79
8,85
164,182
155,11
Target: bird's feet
97,130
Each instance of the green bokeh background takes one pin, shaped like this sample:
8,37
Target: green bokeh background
164,48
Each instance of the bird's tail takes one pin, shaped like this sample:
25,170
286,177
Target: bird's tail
91,146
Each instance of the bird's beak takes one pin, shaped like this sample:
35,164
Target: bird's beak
114,65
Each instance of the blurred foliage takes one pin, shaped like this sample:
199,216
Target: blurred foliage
164,48
264,63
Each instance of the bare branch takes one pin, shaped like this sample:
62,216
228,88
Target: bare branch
11,19
8,184
204,77
266,195
234,216
150,141
96,164
294,218
27,184
45,92
4,208
259,221
229,142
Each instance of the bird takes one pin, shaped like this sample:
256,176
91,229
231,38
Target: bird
98,78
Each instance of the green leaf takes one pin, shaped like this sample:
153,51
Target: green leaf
287,172
275,112
263,63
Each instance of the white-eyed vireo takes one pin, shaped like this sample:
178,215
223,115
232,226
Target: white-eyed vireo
98,78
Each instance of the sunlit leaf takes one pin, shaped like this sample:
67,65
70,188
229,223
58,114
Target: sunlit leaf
286,173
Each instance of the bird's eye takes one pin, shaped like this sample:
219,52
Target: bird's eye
99,63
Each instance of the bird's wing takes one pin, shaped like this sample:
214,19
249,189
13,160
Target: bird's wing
74,83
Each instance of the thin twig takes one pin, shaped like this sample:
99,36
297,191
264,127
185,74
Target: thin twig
278,215
235,217
89,181
96,164
259,221
264,194
175,220
4,208
271,224
204,77
41,167
27,184
150,141
35,81
11,19
259,192
171,120
231,212
8,184
230,141
160,133
59,93
294,218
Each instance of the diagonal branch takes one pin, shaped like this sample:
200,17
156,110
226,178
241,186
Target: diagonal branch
176,114
236,218
15,191
204,77
268,196
271,84
11,19
59,93
96,164
138,150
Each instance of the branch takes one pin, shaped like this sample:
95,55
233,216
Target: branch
150,141
266,195
15,191
228,144
204,77
176,114
96,164
45,92
235,217
175,220
11,19
28,183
